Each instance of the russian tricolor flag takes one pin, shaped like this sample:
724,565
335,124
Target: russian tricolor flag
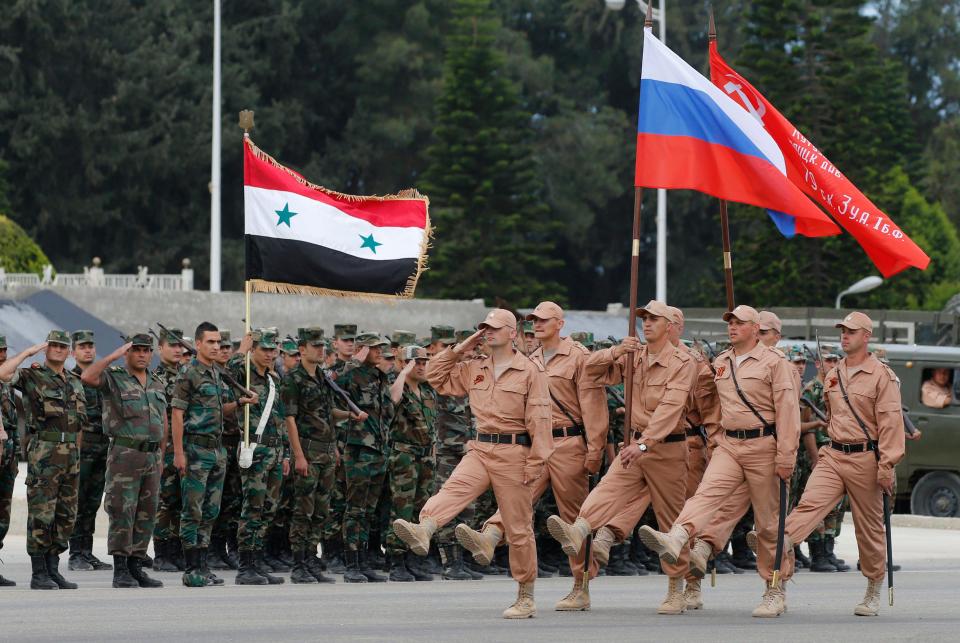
690,135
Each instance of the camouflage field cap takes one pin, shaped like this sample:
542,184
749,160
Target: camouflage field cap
796,353
289,347
172,336
443,334
265,338
58,337
141,339
402,338
312,335
367,338
583,337
345,331
225,339
528,327
829,352
601,344
3,341
82,337
463,335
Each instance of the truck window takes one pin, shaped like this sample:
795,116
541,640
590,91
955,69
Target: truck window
940,387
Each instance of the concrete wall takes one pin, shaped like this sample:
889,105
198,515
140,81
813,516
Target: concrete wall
132,310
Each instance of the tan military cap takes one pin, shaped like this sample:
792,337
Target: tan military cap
546,310
660,309
743,313
677,313
498,318
769,321
856,321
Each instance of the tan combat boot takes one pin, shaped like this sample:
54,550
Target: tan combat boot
667,545
602,542
674,603
870,605
774,603
570,537
523,607
577,600
692,595
479,543
417,537
699,555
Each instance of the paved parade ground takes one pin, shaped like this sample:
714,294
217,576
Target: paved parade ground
820,606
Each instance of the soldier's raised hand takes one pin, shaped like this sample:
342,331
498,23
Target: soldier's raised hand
469,342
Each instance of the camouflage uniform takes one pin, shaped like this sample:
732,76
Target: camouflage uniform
197,393
454,429
813,390
231,500
333,529
366,449
834,519
168,514
308,399
10,450
135,419
262,479
411,464
93,466
58,414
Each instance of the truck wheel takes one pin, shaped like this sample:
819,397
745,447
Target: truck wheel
936,494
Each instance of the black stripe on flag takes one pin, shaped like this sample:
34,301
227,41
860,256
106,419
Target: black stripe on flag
307,264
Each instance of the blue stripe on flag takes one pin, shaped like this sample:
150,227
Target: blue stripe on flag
672,109
786,224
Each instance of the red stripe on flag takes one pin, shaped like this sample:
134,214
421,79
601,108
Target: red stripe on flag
393,213
686,163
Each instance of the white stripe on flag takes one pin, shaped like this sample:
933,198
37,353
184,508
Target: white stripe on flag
324,225
661,63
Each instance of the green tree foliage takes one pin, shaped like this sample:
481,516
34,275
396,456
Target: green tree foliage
18,252
493,233
105,131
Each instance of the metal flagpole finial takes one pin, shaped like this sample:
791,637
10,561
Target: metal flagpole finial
712,29
648,21
246,120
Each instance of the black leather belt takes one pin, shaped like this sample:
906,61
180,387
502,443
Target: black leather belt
673,437
208,441
230,439
138,445
523,439
568,431
323,444
89,437
859,447
693,432
750,434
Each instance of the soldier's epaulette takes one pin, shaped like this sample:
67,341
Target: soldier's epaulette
726,353
891,373
684,355
778,352
581,347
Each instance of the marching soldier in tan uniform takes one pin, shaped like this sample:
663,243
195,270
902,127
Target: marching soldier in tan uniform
653,460
580,423
866,441
510,400
761,422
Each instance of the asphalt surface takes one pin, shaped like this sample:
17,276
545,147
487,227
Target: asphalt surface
820,606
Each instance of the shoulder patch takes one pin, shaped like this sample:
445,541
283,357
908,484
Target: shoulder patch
891,373
35,365
117,369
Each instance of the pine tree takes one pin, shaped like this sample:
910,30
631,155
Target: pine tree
493,234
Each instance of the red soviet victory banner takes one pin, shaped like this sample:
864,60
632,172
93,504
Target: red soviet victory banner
890,249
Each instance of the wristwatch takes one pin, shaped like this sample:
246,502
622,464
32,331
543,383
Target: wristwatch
642,447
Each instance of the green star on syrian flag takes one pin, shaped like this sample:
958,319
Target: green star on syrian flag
285,215
370,242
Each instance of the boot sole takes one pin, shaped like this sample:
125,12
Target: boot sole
652,541
558,530
585,608
517,618
470,541
404,533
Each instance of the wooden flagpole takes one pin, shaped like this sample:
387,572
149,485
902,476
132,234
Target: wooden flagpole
246,122
724,219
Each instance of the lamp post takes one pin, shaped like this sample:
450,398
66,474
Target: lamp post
864,285
215,158
660,15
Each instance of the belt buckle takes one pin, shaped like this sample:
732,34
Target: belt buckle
63,436
847,448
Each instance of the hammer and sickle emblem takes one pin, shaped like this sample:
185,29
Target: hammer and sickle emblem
736,88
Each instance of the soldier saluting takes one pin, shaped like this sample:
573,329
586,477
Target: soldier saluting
135,408
54,401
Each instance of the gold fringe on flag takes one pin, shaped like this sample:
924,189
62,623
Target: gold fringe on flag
260,285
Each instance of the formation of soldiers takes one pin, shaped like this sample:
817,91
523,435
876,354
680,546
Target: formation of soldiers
360,454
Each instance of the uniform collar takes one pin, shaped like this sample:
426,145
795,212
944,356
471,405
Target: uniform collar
867,366
661,358
563,348
753,353
516,362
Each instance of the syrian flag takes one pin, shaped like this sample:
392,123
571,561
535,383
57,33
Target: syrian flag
303,238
